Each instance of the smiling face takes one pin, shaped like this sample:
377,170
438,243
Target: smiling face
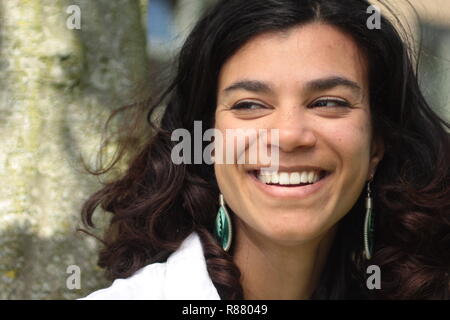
310,83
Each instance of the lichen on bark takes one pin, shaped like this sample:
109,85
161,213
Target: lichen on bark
57,86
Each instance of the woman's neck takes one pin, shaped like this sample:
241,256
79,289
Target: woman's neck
274,271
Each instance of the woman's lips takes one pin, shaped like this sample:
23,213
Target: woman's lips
289,191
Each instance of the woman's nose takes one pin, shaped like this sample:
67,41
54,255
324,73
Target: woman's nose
296,130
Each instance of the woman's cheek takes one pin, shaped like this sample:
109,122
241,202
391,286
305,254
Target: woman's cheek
350,140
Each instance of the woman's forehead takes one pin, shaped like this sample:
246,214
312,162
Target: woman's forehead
302,53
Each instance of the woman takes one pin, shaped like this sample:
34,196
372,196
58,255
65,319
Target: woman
362,177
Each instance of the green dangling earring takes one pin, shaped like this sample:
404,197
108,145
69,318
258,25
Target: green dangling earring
223,231
368,225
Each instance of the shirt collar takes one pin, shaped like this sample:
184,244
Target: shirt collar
187,276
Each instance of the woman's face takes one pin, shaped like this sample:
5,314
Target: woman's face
311,84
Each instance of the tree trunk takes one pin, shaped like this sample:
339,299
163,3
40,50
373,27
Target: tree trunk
57,86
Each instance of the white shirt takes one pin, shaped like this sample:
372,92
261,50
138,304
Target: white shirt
182,277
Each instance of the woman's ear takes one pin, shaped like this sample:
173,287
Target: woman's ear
376,155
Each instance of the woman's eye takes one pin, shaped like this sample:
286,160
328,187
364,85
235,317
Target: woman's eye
330,103
247,105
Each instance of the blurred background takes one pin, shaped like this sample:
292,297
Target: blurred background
60,78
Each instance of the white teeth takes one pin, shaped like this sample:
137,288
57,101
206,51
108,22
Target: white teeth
275,177
311,176
304,177
286,178
265,178
294,178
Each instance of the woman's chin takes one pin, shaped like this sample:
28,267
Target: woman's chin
291,237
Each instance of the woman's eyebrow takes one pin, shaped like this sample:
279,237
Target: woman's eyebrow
321,84
332,82
255,86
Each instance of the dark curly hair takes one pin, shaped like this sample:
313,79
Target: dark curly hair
156,204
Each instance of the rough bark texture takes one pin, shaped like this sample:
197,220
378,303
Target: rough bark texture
57,86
